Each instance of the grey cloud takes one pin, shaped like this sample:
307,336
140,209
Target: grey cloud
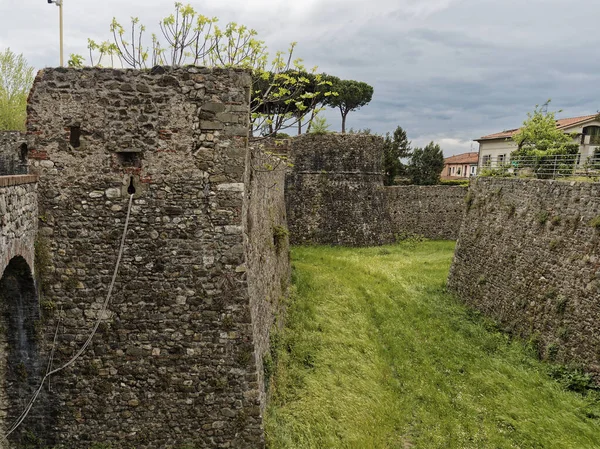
447,70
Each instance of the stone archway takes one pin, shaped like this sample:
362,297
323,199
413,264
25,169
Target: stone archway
21,366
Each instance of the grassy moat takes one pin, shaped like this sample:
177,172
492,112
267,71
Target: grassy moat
376,354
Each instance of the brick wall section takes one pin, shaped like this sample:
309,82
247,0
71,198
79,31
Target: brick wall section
528,255
174,364
435,212
335,196
12,161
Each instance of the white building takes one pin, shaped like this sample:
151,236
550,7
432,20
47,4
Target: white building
495,149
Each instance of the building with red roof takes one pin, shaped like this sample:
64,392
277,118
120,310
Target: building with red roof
495,149
460,166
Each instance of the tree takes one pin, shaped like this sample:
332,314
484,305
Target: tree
426,165
284,93
319,126
395,148
540,144
539,132
16,78
351,95
292,96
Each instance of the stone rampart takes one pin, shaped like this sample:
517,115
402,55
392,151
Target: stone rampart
335,196
434,212
178,360
333,191
267,252
528,255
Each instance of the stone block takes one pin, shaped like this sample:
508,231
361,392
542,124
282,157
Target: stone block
210,125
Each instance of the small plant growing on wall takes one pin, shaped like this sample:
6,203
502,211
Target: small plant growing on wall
511,209
542,217
469,199
552,351
561,304
280,235
595,223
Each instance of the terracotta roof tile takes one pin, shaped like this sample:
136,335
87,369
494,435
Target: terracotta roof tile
464,158
560,123
566,122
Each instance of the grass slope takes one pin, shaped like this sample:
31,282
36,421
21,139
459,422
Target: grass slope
377,355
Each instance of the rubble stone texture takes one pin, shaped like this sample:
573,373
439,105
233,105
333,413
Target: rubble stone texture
335,196
528,255
178,360
13,153
18,218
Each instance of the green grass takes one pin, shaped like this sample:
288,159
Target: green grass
376,354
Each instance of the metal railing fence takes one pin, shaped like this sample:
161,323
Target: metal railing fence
542,167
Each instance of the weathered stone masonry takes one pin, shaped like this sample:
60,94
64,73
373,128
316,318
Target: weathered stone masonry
175,362
333,191
20,365
18,218
529,255
13,153
435,212
335,196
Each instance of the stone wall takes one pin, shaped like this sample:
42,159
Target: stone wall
13,153
18,218
178,359
20,364
333,192
528,255
335,196
434,212
267,248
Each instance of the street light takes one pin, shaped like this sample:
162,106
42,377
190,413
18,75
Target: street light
59,3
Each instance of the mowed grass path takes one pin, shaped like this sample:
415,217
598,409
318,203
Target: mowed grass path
376,354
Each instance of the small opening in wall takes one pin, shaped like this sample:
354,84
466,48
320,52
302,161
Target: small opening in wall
129,159
23,153
131,188
75,136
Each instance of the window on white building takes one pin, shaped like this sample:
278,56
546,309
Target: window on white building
594,133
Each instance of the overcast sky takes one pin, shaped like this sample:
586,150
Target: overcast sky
444,70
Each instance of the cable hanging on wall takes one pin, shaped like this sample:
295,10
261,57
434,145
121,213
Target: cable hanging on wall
81,350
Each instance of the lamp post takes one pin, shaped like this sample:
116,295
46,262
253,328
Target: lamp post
59,3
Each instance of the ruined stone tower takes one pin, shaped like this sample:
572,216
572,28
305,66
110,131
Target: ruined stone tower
177,362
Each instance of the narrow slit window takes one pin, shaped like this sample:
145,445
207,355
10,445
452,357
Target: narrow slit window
75,136
23,153
131,188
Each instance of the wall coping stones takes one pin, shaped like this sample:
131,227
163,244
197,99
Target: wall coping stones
15,180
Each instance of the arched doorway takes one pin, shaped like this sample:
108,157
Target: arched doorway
21,366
